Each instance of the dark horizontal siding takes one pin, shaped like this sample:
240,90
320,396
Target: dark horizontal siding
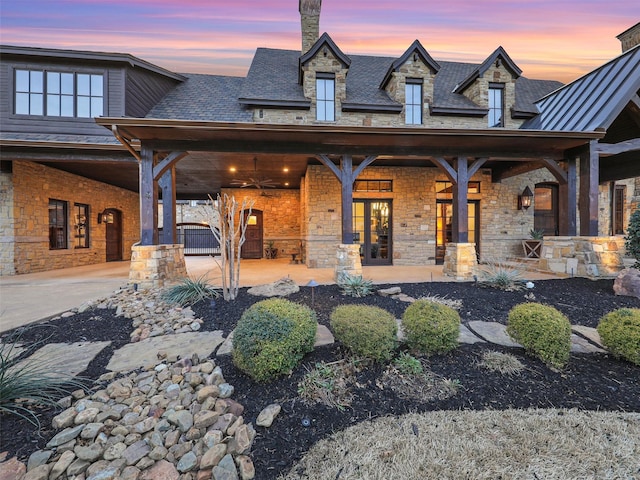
143,90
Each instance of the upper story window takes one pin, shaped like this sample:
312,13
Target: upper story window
413,101
59,94
325,97
496,105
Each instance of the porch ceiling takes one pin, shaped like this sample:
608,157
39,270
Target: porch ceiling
265,151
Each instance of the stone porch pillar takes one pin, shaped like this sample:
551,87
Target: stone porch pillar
460,261
153,266
348,260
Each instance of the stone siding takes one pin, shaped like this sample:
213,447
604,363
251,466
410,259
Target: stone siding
33,186
7,225
460,261
154,266
592,257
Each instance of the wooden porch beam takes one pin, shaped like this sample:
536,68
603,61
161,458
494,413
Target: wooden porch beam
326,161
167,184
555,169
148,198
475,166
589,169
449,171
346,179
567,201
166,163
605,149
460,220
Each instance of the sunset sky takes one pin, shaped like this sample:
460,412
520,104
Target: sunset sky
551,39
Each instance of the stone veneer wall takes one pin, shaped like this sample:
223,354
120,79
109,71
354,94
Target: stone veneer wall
33,186
592,257
502,226
154,266
7,225
460,261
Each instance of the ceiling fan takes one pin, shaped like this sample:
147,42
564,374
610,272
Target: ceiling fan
256,180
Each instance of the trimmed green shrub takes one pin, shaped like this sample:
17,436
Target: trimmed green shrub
632,240
431,327
367,331
620,333
542,330
271,338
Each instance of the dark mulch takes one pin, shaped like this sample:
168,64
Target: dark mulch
590,382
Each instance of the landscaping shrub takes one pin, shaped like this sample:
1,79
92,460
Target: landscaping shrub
431,327
272,336
355,285
190,291
620,333
632,240
542,330
497,274
408,364
367,331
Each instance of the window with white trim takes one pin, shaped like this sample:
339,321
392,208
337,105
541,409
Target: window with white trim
325,97
59,94
413,101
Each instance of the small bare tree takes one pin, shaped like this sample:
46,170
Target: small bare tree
228,221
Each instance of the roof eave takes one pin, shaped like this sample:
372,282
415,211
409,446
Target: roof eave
372,108
454,111
260,102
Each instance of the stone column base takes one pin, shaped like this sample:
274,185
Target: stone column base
590,257
152,266
460,261
348,261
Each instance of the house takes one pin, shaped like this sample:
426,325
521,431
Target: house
351,159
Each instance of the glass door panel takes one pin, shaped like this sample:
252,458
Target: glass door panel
371,229
444,231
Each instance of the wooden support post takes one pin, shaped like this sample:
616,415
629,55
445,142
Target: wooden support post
346,175
460,220
167,184
589,177
148,199
567,201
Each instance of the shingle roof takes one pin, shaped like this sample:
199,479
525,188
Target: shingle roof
529,91
204,97
593,101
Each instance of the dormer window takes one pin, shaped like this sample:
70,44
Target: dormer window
413,101
496,105
325,97
59,94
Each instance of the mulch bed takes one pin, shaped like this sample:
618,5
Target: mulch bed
590,382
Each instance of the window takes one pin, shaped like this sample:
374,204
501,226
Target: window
325,97
618,210
81,225
413,101
372,186
57,225
496,105
444,187
59,94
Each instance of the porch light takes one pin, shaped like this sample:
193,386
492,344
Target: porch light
313,284
525,198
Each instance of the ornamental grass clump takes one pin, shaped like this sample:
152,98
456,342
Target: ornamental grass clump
368,332
431,327
271,338
30,383
620,333
543,331
355,285
190,291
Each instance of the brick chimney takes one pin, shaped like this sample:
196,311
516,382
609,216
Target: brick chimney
310,19
630,37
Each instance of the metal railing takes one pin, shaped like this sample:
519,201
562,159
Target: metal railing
196,238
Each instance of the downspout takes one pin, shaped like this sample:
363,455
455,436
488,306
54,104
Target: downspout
123,141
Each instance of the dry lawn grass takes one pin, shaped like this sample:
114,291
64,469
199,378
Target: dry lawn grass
508,444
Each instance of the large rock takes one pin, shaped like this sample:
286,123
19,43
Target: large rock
628,283
279,288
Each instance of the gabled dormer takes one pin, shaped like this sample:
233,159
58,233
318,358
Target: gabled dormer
409,81
492,86
323,76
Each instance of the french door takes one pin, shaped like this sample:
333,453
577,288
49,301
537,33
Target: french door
372,230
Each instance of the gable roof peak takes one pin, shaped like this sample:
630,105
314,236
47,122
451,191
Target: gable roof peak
417,51
325,41
497,58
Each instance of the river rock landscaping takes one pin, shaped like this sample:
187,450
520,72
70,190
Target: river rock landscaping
185,412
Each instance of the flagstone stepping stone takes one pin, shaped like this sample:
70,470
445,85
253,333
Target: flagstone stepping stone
145,352
226,347
588,332
61,360
11,351
580,345
466,336
323,336
493,332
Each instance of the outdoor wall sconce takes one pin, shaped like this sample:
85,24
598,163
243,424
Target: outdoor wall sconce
105,217
525,199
